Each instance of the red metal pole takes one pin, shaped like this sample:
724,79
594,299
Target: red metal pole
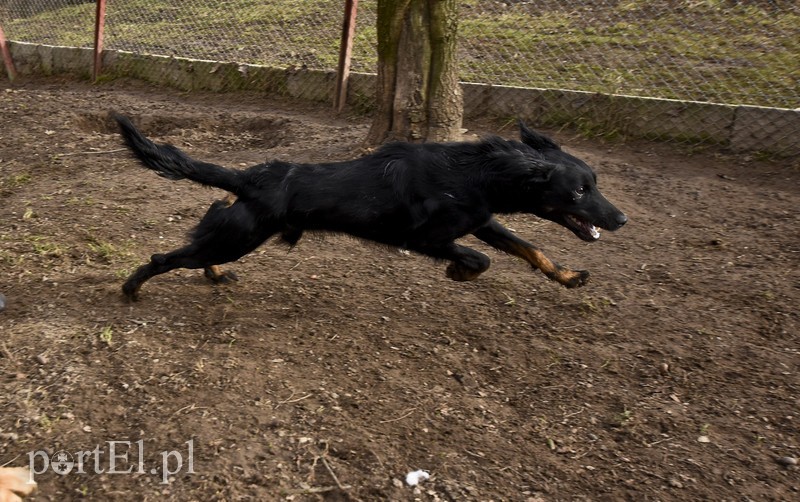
345,52
12,72
99,25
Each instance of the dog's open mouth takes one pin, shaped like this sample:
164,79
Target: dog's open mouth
582,228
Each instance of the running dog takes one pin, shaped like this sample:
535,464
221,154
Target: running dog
418,197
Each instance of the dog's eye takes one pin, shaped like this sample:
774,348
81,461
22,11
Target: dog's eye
580,190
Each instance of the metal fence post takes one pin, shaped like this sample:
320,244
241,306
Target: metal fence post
99,25
345,52
12,72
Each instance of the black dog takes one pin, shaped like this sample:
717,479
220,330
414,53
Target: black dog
420,197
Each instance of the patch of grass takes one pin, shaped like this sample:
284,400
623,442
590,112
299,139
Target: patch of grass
11,259
104,250
106,335
81,201
608,129
14,182
124,272
45,247
595,305
111,254
119,256
623,418
46,423
767,295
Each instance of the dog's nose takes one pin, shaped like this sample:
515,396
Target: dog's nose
621,219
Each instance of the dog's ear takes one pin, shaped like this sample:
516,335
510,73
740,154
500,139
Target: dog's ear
540,171
536,140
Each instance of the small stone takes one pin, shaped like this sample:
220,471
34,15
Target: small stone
787,461
703,439
675,483
10,436
42,359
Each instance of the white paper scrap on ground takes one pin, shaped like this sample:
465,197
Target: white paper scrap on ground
414,478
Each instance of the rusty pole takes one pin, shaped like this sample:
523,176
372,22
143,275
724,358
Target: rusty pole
99,25
345,52
12,72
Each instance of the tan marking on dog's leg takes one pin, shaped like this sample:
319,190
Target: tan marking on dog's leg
229,200
214,272
554,271
217,275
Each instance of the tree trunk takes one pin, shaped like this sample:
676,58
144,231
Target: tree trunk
418,94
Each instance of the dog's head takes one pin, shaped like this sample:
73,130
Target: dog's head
563,189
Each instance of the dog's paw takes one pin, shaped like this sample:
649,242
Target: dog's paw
575,278
461,274
568,278
130,292
228,276
455,273
218,276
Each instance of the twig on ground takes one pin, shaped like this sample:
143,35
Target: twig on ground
7,353
409,412
100,152
190,407
330,471
290,400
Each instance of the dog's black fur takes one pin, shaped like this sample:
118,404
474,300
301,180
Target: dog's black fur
420,197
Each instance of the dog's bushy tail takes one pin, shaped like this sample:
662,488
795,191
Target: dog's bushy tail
171,163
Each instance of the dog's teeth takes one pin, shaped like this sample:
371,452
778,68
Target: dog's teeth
594,232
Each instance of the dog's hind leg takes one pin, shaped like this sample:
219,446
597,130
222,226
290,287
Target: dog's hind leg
214,273
195,255
466,264
206,253
160,264
497,236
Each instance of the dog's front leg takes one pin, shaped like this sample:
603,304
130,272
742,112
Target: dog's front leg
498,236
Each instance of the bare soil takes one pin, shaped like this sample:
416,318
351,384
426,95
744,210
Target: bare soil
330,371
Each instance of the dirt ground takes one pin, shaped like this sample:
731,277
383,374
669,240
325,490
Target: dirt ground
332,370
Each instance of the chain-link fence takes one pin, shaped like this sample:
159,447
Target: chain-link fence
629,66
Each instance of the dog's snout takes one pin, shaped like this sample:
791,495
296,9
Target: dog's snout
614,220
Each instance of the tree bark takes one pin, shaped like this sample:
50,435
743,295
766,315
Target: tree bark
418,94
446,103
